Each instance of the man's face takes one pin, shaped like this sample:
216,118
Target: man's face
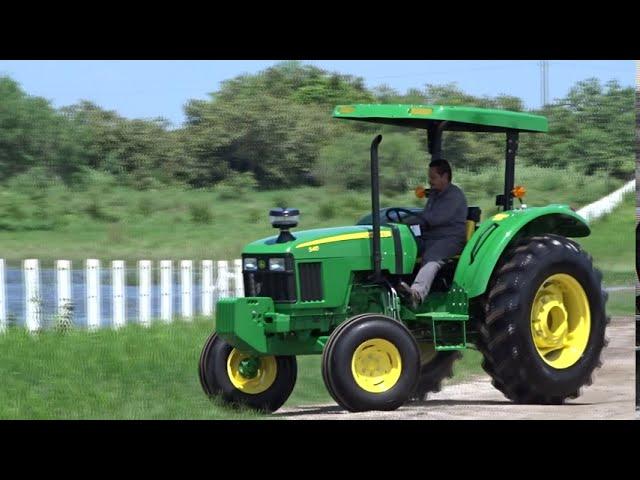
436,181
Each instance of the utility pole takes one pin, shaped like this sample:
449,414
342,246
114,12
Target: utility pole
544,82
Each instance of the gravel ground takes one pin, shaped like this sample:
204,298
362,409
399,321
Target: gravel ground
611,396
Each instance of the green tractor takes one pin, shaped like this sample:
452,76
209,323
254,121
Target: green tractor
523,294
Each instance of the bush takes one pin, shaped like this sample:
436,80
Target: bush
327,211
254,215
237,186
96,211
281,200
200,213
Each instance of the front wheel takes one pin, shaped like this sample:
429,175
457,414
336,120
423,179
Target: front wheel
371,362
260,382
545,320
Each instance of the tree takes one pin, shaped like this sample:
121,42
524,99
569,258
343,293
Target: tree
32,133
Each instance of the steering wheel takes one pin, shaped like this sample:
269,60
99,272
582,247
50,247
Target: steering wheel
398,211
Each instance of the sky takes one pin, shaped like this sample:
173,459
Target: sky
160,88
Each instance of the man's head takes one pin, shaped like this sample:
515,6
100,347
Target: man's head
439,174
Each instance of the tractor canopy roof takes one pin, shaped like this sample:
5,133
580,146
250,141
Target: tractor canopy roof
458,118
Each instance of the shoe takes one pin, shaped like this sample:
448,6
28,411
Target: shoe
410,295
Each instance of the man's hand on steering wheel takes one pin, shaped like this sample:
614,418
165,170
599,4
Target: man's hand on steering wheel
400,219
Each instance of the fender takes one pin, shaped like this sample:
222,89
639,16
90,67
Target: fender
494,235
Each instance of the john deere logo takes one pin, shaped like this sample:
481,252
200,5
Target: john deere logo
262,264
499,216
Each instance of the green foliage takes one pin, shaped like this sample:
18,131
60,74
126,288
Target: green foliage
141,153
273,130
200,213
274,139
168,231
403,164
592,129
327,211
239,185
298,83
32,133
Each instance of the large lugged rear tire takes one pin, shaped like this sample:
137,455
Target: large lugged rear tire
262,383
544,325
435,368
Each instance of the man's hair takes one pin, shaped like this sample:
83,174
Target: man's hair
442,167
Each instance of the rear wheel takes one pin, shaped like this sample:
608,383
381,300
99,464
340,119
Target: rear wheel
544,325
371,362
435,367
260,382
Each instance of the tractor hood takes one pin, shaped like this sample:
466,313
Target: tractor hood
324,242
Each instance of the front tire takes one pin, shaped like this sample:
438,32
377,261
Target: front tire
371,362
262,383
545,321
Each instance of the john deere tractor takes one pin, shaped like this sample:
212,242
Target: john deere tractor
521,292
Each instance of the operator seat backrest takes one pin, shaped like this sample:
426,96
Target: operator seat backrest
473,218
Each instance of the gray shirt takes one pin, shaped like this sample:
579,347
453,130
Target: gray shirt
445,215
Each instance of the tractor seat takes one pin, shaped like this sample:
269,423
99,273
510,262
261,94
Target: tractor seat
473,218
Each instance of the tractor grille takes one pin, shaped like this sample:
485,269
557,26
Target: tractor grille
280,286
310,281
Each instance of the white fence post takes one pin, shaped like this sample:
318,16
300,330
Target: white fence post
144,292
93,294
32,294
166,290
223,279
65,303
206,294
239,281
186,282
3,310
119,293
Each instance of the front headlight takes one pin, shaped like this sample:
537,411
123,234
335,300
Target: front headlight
250,264
276,264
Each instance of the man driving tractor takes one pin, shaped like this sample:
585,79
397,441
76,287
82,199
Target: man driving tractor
444,233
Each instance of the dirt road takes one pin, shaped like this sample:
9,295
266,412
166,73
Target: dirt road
612,395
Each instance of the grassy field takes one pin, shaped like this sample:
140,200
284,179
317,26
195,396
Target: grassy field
168,230
109,222
144,373
621,303
134,373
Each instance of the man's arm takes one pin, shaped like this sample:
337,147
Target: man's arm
445,210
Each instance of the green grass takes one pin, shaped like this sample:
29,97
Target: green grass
621,303
109,221
612,244
134,373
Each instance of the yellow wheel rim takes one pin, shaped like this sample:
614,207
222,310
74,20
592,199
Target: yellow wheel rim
256,383
560,321
376,365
